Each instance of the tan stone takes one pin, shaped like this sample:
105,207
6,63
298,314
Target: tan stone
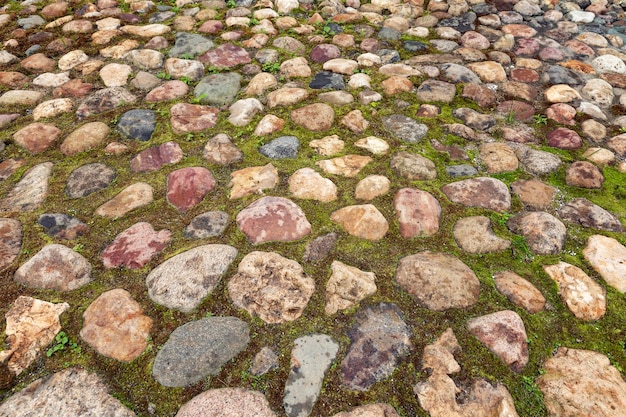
348,166
364,221
252,180
371,187
347,286
488,71
519,291
305,183
608,257
327,146
132,197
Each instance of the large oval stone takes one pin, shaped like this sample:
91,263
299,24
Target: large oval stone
273,219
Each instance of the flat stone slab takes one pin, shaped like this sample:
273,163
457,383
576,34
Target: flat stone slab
474,234
438,281
227,402
207,225
114,325
579,382
199,348
271,219
519,291
184,280
608,257
55,267
364,221
32,325
153,158
418,212
130,198
30,192
379,339
271,286
311,357
10,241
69,393
135,246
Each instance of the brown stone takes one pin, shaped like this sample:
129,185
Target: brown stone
252,180
418,213
155,157
37,137
271,219
363,221
519,291
534,194
485,192
584,174
132,197
316,117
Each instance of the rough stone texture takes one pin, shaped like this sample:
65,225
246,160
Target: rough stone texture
311,357
498,157
70,392
316,117
371,187
413,167
130,198
305,183
405,128
252,180
584,212
582,382
370,410
264,361
584,174
320,247
273,219
137,124
348,166
484,192
582,295
135,246
439,394
187,118
31,325
504,334
104,100
114,325
284,147
206,225
271,286
89,179
519,291
418,212
227,402
347,286
199,348
534,194
30,192
86,137
379,339
182,281
10,241
475,235
364,221
187,187
55,267
438,281
608,257
544,233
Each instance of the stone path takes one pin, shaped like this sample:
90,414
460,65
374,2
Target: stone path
325,208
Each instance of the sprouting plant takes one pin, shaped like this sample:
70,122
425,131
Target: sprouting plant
78,248
272,67
231,3
510,117
62,341
186,79
503,218
254,21
164,75
520,248
186,55
198,99
540,119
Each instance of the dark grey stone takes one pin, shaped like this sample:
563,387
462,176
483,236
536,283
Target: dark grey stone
405,128
388,56
461,23
62,226
414,46
379,339
137,124
199,348
206,225
281,148
320,247
389,34
557,74
587,214
161,16
89,179
461,171
327,79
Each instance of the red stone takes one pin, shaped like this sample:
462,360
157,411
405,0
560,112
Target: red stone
580,48
187,187
562,113
524,75
225,56
135,246
482,95
273,219
192,117
154,158
527,47
324,52
73,88
37,137
211,26
564,138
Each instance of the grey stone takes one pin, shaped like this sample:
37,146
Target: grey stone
199,348
405,128
434,90
311,357
70,392
218,89
184,280
62,226
413,167
379,339
320,247
544,233
104,100
281,148
189,44
137,124
461,171
30,22
30,192
206,225
89,179
587,214
459,74
264,361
